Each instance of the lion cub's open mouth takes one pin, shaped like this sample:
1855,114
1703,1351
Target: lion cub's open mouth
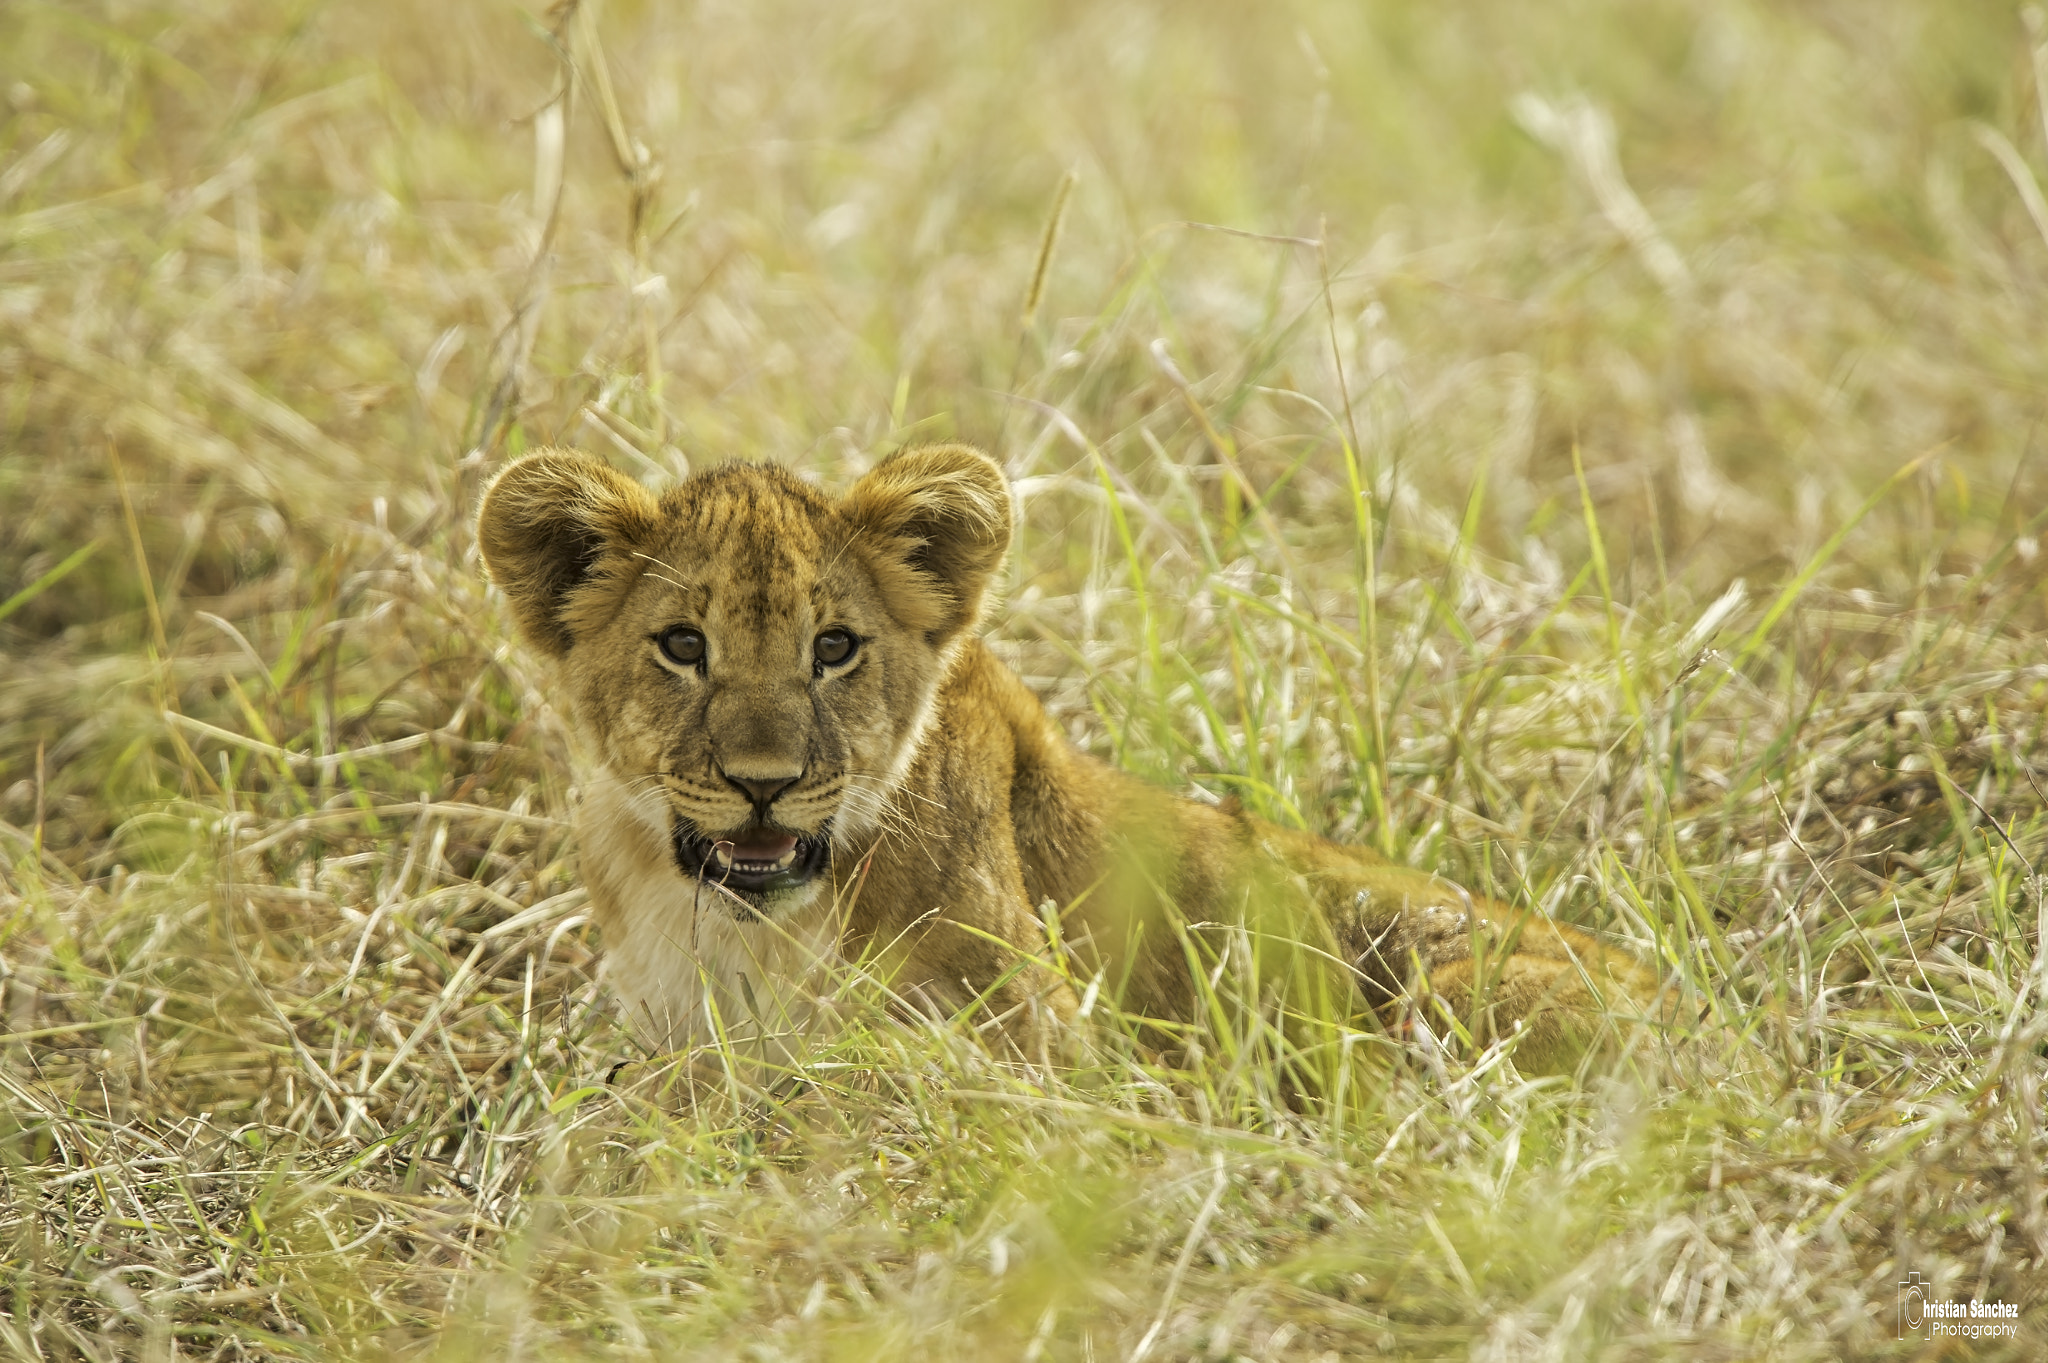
755,861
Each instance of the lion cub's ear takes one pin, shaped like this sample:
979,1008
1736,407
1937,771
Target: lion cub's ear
557,530
934,524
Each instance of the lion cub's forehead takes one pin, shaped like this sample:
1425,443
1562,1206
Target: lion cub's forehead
749,516
748,540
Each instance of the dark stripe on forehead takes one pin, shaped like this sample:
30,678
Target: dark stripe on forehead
758,532
757,482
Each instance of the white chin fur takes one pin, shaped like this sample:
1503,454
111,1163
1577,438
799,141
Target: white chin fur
676,953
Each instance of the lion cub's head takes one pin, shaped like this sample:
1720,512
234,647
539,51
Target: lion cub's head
754,660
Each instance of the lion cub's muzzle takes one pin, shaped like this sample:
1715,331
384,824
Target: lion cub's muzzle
756,861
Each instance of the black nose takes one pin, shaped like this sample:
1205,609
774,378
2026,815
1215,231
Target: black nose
762,790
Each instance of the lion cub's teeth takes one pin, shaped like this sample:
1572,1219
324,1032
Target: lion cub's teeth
722,857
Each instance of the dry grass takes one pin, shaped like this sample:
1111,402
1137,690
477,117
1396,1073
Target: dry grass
1605,304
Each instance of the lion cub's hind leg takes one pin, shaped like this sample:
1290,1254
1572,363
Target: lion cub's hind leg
1421,942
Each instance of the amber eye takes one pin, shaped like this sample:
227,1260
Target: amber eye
833,647
682,645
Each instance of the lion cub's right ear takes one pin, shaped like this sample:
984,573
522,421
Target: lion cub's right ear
934,523
557,531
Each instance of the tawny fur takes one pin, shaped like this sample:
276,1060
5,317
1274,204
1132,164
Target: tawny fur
955,809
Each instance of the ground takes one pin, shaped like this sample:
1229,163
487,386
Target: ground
1592,448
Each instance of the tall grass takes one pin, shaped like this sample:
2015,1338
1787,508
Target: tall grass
1589,449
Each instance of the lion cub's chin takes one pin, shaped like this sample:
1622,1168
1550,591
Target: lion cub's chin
748,906
780,902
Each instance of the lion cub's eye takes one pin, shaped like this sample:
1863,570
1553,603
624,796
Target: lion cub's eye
833,647
682,645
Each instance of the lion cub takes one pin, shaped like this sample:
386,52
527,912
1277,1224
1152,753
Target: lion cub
795,749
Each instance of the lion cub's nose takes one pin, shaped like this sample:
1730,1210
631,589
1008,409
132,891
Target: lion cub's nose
762,790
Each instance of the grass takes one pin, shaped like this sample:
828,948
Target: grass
1590,448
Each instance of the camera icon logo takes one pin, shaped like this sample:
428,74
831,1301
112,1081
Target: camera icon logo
1912,1306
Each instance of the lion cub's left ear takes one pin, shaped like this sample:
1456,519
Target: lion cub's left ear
557,530
933,524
